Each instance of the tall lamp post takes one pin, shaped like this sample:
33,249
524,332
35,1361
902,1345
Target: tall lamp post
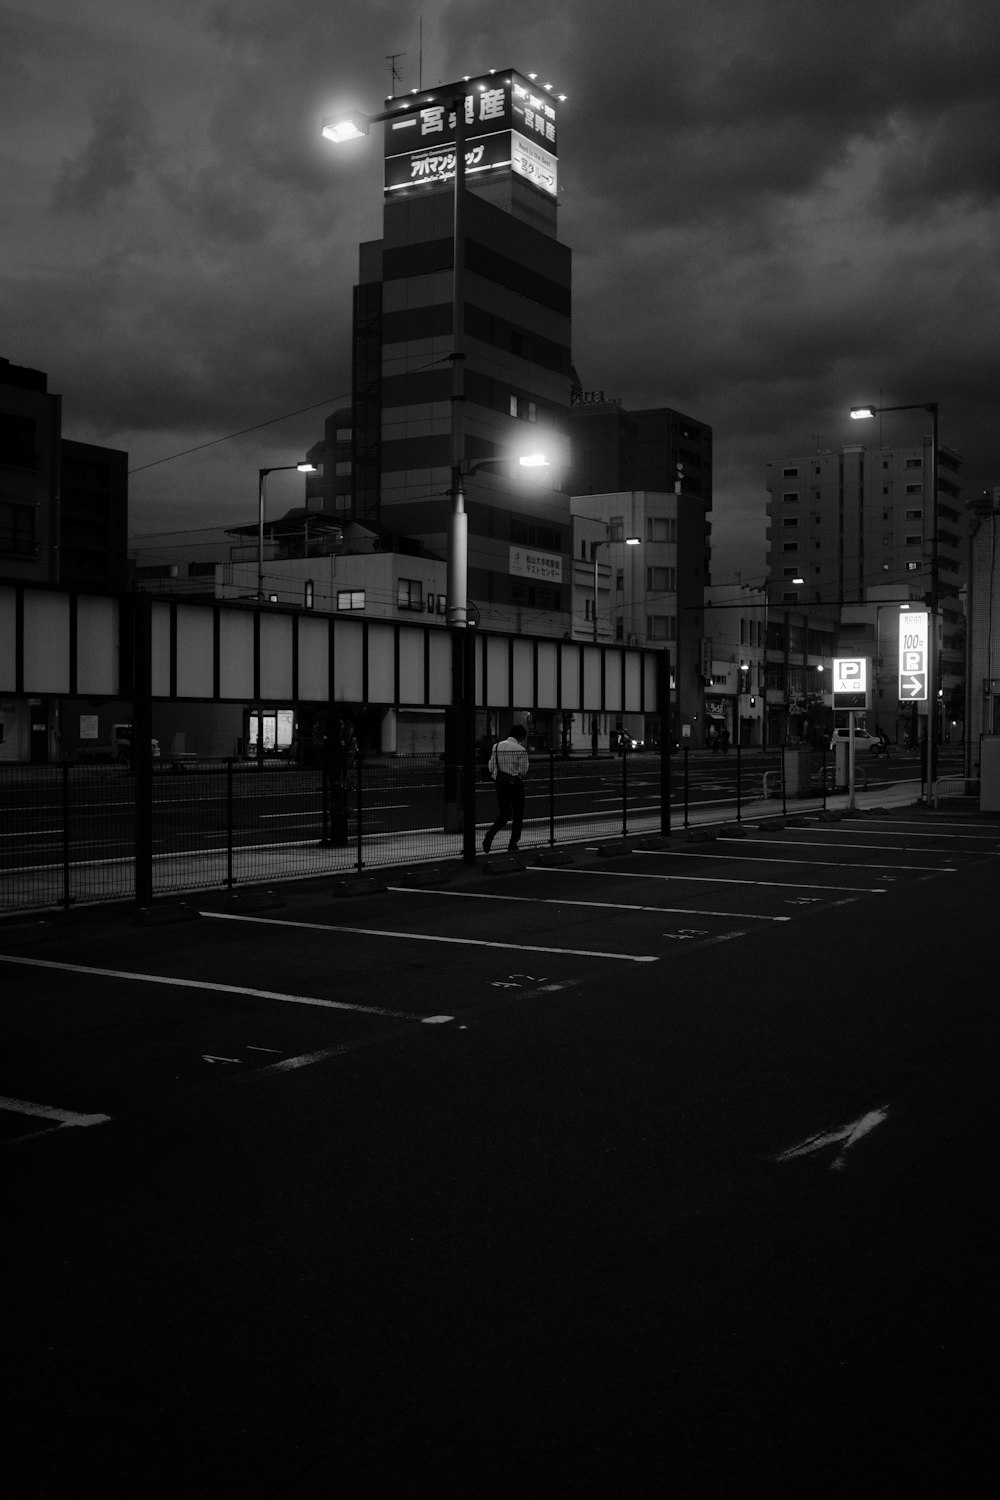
604,541
350,126
931,504
305,467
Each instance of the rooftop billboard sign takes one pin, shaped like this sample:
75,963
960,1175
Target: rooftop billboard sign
510,124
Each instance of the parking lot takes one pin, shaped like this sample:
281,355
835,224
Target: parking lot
105,1016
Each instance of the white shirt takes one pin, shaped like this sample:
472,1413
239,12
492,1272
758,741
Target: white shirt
509,755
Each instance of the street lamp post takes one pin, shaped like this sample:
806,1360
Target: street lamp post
859,413
305,467
604,541
349,127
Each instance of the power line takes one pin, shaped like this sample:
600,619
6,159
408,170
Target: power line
331,401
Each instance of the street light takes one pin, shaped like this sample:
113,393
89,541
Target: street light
606,541
860,413
305,467
349,126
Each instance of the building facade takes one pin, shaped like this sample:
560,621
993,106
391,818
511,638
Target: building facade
511,344
648,474
862,525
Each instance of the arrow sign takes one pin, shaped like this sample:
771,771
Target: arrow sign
913,686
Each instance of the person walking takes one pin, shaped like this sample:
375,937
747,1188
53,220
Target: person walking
509,766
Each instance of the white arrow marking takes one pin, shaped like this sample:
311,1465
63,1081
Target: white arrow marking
849,1134
207,1057
46,1112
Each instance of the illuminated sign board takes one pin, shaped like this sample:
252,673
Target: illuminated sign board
850,681
543,567
510,124
913,648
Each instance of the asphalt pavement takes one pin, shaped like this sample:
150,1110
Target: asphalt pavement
668,1171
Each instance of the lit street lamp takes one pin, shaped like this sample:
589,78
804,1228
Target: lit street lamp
305,467
605,541
350,126
930,501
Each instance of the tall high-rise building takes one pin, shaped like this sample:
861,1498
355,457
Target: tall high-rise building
513,300
854,520
854,525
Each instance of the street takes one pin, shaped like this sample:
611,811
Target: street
208,808
660,1171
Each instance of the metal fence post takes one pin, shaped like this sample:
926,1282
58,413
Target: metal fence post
687,754
624,789
65,840
229,822
358,803
739,799
552,796
784,794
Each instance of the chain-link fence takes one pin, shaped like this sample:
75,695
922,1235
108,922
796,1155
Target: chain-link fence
68,832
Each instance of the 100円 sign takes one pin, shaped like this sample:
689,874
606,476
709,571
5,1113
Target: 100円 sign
851,677
914,643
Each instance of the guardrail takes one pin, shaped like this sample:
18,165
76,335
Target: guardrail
69,832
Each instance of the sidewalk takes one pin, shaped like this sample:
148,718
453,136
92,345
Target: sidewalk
41,889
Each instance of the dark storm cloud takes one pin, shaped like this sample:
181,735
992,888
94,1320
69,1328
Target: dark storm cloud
775,207
113,155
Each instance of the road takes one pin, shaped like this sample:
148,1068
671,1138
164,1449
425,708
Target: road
663,1172
200,811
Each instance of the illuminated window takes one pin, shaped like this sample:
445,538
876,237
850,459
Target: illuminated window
350,598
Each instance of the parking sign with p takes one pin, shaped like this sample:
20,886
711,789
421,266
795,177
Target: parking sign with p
851,677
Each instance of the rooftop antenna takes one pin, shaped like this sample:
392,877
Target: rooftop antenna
394,74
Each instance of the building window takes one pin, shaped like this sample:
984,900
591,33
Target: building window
913,515
913,539
790,474
661,580
789,520
661,529
344,434
409,593
616,528
914,489
914,463
526,410
343,466
350,598
17,528
913,567
661,627
789,546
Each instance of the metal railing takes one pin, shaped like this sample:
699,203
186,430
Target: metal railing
68,832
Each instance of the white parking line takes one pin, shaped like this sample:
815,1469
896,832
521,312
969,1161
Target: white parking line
427,937
776,859
690,911
795,885
224,989
826,844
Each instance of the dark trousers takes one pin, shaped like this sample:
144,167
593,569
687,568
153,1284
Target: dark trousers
510,809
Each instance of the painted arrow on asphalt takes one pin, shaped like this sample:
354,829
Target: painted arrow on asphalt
848,1134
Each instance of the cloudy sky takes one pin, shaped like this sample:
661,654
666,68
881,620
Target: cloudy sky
777,208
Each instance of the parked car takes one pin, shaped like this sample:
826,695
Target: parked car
862,739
